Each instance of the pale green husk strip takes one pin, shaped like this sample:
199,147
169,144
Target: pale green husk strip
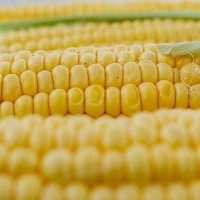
180,48
114,17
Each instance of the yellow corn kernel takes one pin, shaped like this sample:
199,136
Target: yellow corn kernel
88,49
74,49
6,109
114,138
23,106
150,75
55,42
168,59
177,191
40,52
87,137
11,88
16,46
112,167
94,100
69,59
105,58
194,96
76,101
138,169
28,187
113,101
162,163
102,124
44,44
182,96
165,72
51,191
6,185
87,169
166,94
185,164
125,56
132,74
143,134
194,188
6,57
58,102
78,77
51,60
52,123
18,66
41,104
23,54
148,96
154,192
60,76
146,118
29,84
41,140
87,59
102,192
190,74
130,99
96,74
113,74
127,192
76,191
21,160
5,67
57,165
45,81
65,138
137,50
36,63
148,55
150,47
15,135
119,48
174,135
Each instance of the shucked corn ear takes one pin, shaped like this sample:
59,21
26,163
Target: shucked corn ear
149,155
40,11
120,79
103,34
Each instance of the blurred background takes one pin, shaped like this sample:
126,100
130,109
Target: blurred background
16,2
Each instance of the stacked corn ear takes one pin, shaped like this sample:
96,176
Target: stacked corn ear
32,11
98,109
62,36
147,156
116,80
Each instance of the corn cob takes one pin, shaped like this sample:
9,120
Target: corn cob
120,79
78,157
60,156
105,34
40,11
30,186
